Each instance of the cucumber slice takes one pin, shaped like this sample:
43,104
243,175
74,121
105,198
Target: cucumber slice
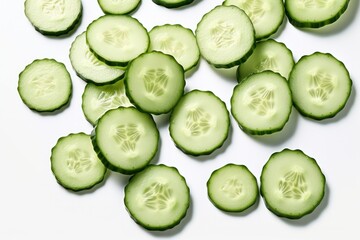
225,36
117,39
45,85
172,3
53,17
314,13
118,6
200,122
178,41
96,100
292,184
155,82
88,67
232,188
75,164
320,85
266,15
268,55
125,139
158,197
261,104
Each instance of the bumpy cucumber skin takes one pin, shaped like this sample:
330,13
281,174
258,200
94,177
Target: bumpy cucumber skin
61,105
233,63
88,80
122,13
207,152
62,32
258,131
166,4
310,24
113,63
157,228
277,211
340,107
108,164
221,207
70,187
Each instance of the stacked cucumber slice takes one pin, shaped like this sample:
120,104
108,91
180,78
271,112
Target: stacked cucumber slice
133,74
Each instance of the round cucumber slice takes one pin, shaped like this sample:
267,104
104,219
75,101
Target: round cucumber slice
172,3
75,164
200,122
118,6
158,197
232,188
292,184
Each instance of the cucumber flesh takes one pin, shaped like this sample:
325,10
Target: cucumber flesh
266,15
314,13
45,85
125,139
53,17
75,164
261,104
158,197
292,184
232,188
225,36
200,122
320,85
118,6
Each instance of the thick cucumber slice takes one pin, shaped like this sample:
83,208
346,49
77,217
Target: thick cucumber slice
117,39
320,85
225,36
314,13
261,104
75,164
155,82
118,6
266,15
158,197
199,124
45,85
96,100
125,139
178,41
88,67
232,188
172,3
268,55
53,17
292,184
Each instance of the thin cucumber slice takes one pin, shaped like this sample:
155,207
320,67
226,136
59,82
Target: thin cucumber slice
199,124
261,104
45,85
75,164
266,15
292,184
157,198
117,39
96,100
314,13
172,3
225,36
88,67
125,139
320,85
232,188
53,17
268,55
155,82
118,6
178,41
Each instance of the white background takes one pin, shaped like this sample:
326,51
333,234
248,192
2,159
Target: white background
34,206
